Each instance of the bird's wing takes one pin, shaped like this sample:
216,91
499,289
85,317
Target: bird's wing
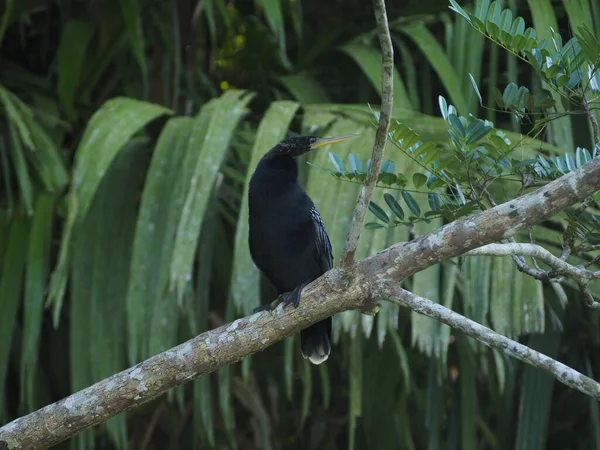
324,253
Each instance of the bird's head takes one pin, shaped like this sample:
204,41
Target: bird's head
299,145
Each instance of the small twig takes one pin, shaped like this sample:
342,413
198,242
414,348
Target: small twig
588,298
387,98
588,248
525,183
532,241
595,260
151,426
559,266
392,291
535,251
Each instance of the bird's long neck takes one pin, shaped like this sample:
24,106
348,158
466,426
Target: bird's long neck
277,171
281,162
275,178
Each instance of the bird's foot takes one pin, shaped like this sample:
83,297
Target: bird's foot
267,306
293,297
286,298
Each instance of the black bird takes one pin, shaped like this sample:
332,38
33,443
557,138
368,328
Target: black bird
287,238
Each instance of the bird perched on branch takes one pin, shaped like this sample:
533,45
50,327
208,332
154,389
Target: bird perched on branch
287,238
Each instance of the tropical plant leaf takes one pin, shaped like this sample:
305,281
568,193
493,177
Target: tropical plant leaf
71,55
226,113
161,205
38,262
369,61
108,131
11,286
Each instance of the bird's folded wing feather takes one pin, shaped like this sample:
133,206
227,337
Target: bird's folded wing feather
324,252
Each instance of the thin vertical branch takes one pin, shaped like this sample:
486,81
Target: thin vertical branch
387,96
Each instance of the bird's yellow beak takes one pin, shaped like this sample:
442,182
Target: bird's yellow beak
322,142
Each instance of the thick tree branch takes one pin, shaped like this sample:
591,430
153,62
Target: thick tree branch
387,99
338,290
392,291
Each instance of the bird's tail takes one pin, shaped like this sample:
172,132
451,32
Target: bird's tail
315,341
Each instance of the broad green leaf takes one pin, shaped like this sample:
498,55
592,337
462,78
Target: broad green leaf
394,206
46,157
532,312
288,356
337,162
369,61
476,273
457,8
443,104
38,261
536,396
71,55
307,390
9,100
476,88
160,210
433,404
132,16
355,376
42,153
373,226
481,10
102,245
492,22
107,132
589,43
468,394
21,169
379,212
274,14
355,163
419,180
569,161
304,88
245,277
500,369
226,113
412,203
6,178
544,20
457,125
435,202
11,286
504,274
428,335
198,311
325,385
383,385
439,60
7,16
510,94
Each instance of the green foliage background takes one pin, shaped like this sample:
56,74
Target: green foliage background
128,132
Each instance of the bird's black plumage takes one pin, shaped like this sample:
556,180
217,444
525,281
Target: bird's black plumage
287,238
